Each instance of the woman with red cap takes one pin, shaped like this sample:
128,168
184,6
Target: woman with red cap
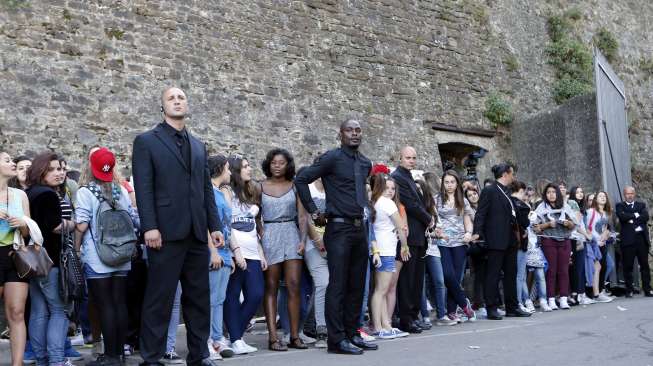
106,282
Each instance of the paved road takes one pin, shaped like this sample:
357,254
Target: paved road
618,333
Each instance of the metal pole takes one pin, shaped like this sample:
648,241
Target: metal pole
614,167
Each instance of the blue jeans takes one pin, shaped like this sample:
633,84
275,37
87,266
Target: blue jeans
522,286
438,289
453,266
218,280
48,324
366,294
539,283
306,290
250,282
174,321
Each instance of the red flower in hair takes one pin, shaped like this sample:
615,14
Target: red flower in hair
379,168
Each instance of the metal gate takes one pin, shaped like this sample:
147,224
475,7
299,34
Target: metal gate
613,128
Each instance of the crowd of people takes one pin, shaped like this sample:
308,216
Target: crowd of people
313,247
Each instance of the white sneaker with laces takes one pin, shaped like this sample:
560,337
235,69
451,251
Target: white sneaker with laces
501,312
240,347
529,306
584,300
77,340
250,349
604,298
552,303
563,303
544,306
213,353
306,339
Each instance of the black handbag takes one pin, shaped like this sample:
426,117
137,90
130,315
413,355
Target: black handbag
72,286
477,248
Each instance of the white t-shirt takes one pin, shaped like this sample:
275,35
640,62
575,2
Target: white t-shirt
384,228
243,228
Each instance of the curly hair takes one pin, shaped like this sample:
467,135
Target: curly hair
289,173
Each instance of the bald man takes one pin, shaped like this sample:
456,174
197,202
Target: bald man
635,241
411,276
177,212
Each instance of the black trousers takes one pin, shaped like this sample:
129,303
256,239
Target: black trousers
410,286
186,261
497,261
136,284
637,250
347,250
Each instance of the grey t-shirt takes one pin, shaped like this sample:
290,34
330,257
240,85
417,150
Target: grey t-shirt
452,223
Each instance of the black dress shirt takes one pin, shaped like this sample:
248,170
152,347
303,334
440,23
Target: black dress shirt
337,169
181,140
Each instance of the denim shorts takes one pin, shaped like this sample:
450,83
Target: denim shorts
90,274
387,264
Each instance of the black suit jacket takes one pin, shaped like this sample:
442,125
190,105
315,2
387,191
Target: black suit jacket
493,220
625,213
418,218
172,197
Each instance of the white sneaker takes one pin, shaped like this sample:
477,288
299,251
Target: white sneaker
603,297
213,353
544,306
552,303
306,339
584,300
481,313
529,306
500,311
77,340
250,349
523,308
445,321
240,347
563,303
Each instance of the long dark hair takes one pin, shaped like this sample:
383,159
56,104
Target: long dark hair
459,198
40,167
607,207
245,191
559,202
378,183
289,174
427,194
572,197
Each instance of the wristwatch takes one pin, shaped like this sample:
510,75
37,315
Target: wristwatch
316,214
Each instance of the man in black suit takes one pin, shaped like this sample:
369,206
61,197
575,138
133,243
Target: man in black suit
343,172
635,241
494,222
177,210
411,276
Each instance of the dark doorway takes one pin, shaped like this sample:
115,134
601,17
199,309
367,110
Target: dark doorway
461,157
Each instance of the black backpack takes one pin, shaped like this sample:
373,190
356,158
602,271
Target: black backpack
116,238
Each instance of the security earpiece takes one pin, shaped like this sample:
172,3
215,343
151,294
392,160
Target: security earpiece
161,109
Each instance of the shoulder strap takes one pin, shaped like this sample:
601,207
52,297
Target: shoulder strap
589,227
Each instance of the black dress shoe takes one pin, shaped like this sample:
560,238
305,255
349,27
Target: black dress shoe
648,293
412,328
344,347
359,342
518,313
629,294
208,362
493,314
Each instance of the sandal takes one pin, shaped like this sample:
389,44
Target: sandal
277,345
297,343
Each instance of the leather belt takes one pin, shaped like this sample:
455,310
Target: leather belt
346,220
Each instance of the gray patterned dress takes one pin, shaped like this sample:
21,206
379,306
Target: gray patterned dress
280,232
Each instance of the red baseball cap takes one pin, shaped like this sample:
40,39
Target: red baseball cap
102,163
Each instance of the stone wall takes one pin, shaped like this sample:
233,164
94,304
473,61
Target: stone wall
562,143
258,73
285,73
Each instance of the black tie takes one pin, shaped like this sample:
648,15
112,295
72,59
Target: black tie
183,148
360,182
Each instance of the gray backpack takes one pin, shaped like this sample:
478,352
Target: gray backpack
115,241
